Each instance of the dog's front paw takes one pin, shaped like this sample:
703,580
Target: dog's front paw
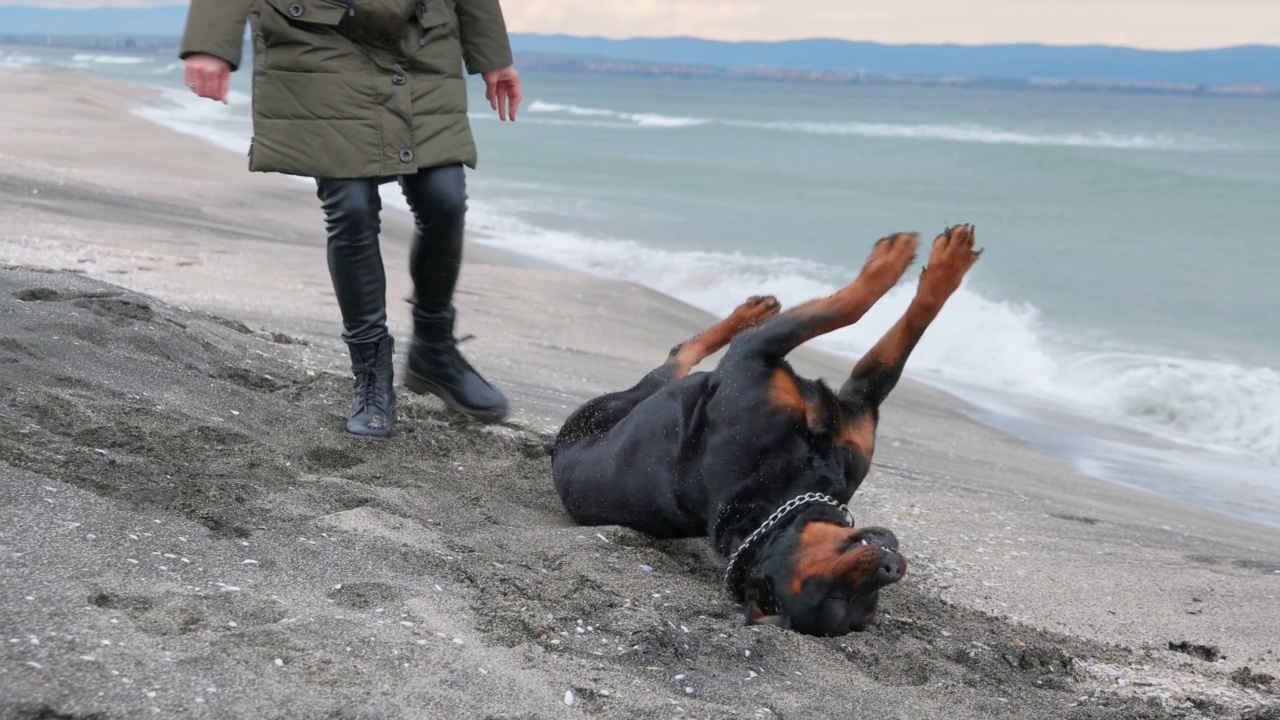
952,256
889,259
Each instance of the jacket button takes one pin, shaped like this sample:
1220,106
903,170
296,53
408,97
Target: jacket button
406,156
295,10
397,79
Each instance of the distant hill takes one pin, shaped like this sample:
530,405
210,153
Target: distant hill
1254,64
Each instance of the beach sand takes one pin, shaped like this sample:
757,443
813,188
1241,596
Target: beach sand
185,530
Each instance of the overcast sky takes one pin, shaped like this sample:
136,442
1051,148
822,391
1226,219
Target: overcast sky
1165,24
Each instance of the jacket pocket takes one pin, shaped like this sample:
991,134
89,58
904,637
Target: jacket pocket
303,36
434,13
316,12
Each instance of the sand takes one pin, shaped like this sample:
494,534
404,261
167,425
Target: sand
185,531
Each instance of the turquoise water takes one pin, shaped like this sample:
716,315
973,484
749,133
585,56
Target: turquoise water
1142,217
1124,317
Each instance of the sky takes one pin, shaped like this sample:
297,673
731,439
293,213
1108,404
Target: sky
1153,24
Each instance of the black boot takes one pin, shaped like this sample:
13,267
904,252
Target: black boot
435,366
373,411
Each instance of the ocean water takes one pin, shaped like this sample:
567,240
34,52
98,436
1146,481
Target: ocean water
1125,316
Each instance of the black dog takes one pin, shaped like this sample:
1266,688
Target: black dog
757,458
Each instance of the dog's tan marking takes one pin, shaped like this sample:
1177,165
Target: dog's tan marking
747,315
950,259
784,394
889,259
859,435
822,555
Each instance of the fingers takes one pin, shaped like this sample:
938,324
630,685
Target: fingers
209,85
514,96
204,82
500,100
203,86
207,77
491,93
506,99
224,84
221,77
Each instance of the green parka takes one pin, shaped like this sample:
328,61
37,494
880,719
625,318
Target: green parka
356,88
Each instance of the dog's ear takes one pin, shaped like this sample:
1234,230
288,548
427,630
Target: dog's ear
756,617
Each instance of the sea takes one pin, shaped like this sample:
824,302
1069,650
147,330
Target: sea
1125,316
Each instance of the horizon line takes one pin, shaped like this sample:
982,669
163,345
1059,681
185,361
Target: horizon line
744,41
1028,43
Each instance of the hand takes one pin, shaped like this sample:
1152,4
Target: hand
208,76
502,88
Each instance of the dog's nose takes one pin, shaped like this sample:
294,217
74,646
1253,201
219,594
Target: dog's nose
892,566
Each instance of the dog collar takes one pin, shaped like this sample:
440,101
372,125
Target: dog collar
733,575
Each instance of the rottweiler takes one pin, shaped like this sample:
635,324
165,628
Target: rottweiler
758,459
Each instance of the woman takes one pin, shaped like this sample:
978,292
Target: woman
355,93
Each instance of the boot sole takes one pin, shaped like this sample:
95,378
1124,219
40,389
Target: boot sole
348,433
418,384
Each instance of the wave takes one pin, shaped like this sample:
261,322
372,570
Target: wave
548,107
1216,405
1219,404
110,59
971,133
14,60
1199,402
961,133
644,120
228,126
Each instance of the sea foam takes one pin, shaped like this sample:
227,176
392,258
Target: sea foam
976,341
110,59
1000,346
569,114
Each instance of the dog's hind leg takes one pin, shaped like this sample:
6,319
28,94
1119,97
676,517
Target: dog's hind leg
602,413
884,267
685,356
876,374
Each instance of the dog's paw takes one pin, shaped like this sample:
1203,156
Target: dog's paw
952,255
754,311
889,259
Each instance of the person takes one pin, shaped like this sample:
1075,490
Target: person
356,93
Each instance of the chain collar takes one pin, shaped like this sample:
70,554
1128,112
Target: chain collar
733,574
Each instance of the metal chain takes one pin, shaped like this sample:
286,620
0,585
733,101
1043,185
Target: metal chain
733,570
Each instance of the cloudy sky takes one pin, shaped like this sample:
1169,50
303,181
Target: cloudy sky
1165,24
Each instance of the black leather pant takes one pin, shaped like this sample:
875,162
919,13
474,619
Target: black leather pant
438,198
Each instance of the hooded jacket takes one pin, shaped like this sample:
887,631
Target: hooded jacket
356,88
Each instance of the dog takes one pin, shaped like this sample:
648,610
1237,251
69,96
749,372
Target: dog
758,459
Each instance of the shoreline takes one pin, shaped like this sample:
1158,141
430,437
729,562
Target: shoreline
1007,545
1071,434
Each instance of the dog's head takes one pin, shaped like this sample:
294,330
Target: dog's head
823,578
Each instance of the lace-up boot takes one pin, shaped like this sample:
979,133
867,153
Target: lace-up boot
435,366
373,411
